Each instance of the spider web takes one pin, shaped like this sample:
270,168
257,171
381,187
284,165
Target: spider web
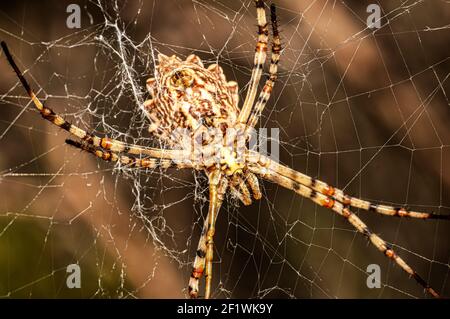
366,110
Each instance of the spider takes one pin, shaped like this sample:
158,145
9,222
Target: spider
185,94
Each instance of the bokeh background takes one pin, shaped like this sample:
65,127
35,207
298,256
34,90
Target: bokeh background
365,110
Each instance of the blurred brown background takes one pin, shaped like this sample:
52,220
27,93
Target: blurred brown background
366,111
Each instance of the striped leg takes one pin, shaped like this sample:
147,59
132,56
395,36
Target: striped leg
270,82
236,193
239,187
105,143
354,220
252,181
260,58
204,254
335,193
127,160
199,263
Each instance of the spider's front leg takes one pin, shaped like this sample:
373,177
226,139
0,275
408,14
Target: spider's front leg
105,143
205,249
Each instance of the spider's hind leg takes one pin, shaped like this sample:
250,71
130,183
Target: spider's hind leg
337,194
258,63
344,211
204,253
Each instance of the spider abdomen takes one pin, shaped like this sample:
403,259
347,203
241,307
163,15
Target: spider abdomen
186,95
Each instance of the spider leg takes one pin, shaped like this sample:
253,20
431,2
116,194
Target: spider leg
127,160
199,263
335,193
238,195
105,142
214,206
239,187
270,82
355,221
260,58
252,181
243,189
204,254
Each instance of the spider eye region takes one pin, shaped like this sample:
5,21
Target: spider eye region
181,79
